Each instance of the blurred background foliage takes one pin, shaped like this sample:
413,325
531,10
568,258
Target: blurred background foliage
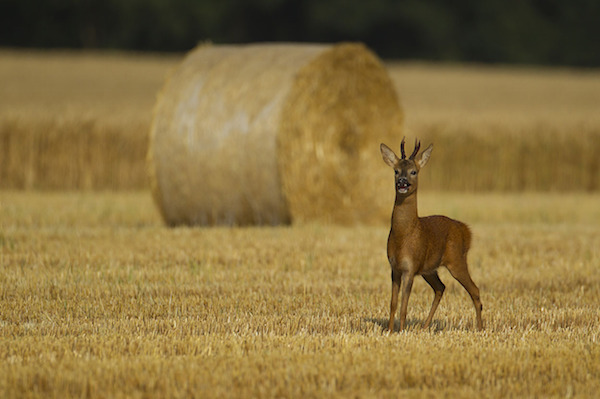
549,32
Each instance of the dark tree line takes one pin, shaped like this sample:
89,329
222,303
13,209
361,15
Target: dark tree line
556,32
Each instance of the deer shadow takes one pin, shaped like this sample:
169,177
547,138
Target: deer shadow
412,324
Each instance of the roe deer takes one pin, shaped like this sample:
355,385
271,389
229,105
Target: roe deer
418,246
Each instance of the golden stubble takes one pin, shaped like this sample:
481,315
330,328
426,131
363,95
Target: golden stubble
81,120
98,299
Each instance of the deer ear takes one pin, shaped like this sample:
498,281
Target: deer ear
388,155
424,157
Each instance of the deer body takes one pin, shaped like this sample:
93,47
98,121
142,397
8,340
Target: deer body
418,246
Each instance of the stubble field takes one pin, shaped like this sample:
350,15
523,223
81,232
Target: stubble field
99,299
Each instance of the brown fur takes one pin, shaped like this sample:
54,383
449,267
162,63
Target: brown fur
418,246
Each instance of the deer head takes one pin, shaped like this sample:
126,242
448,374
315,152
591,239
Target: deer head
406,170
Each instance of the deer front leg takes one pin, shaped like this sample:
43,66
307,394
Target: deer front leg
407,284
394,302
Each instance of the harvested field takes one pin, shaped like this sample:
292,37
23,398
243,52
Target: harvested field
494,128
98,299
76,120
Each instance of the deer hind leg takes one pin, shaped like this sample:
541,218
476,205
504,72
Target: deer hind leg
438,288
394,302
460,272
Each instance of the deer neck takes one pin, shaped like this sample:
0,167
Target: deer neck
405,217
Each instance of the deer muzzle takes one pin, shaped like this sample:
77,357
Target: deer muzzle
402,185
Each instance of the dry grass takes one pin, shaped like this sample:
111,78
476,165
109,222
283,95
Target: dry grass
504,128
97,299
76,120
471,95
494,128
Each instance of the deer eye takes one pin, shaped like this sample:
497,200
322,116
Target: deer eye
396,172
413,172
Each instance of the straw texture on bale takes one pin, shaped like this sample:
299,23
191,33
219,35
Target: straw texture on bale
270,134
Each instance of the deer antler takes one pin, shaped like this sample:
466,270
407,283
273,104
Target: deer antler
402,148
415,151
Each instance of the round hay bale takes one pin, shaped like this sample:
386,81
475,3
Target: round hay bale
270,134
